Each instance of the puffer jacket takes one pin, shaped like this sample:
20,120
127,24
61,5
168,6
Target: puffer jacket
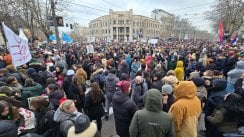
110,85
179,70
65,120
124,109
235,73
151,121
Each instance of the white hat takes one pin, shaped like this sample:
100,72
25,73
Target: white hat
70,72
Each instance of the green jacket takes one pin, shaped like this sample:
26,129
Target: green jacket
152,121
28,92
217,119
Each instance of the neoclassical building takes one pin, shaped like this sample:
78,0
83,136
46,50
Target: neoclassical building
124,26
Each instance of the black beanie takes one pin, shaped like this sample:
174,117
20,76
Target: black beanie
81,123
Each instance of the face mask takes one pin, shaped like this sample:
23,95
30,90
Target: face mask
115,54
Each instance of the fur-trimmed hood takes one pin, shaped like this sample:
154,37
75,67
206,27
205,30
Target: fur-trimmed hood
89,132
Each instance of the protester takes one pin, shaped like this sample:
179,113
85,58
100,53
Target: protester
186,109
123,108
110,88
76,92
167,97
151,121
65,115
83,128
95,101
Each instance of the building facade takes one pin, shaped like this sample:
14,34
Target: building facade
167,21
123,26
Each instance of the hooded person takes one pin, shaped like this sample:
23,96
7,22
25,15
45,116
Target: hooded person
124,108
233,75
151,121
186,109
179,70
110,87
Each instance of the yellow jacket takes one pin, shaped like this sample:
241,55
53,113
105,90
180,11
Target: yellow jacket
179,71
186,109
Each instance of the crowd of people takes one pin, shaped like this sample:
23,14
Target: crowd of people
172,89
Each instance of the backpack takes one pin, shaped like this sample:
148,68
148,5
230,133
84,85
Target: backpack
102,77
54,131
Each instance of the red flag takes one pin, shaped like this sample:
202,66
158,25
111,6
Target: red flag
221,32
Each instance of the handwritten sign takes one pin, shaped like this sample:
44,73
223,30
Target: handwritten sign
89,49
17,46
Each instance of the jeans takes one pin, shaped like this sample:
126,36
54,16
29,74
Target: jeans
108,104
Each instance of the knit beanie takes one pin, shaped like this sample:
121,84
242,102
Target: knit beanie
124,86
167,89
170,79
30,71
81,123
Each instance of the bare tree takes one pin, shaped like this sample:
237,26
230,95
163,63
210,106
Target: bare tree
30,14
230,12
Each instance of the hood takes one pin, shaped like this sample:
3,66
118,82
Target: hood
179,64
111,77
37,86
185,89
120,97
219,84
240,64
97,71
153,100
60,116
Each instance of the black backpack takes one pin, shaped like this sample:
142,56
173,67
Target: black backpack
54,131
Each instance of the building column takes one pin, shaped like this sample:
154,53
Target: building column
117,34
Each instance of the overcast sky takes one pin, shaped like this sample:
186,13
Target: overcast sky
82,11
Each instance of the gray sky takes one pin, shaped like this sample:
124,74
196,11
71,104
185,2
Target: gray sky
82,11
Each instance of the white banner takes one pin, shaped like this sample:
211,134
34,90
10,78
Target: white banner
89,49
153,41
18,47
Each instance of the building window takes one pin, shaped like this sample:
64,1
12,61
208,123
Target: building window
114,21
137,23
127,29
127,21
121,22
133,23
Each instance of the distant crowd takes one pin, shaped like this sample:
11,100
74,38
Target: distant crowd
172,89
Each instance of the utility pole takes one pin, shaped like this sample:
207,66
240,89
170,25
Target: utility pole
55,22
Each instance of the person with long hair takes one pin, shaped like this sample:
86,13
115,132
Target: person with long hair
94,103
77,93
